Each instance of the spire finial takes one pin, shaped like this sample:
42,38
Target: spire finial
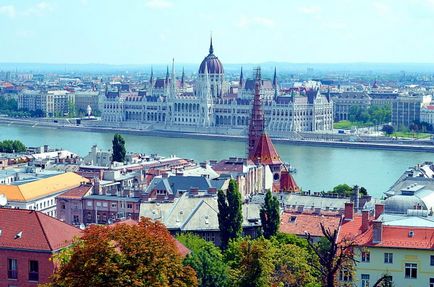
211,48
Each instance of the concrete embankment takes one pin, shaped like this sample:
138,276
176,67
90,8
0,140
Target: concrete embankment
401,145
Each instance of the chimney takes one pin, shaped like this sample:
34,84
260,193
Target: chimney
300,208
365,220
378,231
356,196
212,190
194,191
379,209
349,211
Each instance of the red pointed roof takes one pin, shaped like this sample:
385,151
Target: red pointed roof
265,152
34,230
287,182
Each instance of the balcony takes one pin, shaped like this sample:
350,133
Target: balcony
12,274
33,276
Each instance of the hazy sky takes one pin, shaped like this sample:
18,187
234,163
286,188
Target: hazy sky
154,31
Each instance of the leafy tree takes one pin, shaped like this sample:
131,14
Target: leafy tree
12,146
333,256
251,262
270,215
292,267
119,151
206,259
363,191
230,214
388,129
343,189
123,255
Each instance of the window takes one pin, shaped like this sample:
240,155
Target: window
365,280
12,269
432,260
113,205
431,282
411,270
345,275
104,204
98,203
366,256
89,203
388,258
34,270
129,205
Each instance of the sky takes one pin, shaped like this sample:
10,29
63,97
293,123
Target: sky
243,31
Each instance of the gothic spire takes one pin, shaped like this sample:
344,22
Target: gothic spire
167,74
211,48
275,78
182,77
257,123
241,78
151,78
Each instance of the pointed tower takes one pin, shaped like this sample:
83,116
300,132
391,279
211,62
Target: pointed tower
167,75
151,82
182,78
241,79
173,80
257,123
275,84
211,48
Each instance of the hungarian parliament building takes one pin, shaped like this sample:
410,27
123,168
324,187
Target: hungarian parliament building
213,105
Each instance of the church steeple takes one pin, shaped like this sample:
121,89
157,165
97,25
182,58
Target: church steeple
257,123
167,74
241,78
151,78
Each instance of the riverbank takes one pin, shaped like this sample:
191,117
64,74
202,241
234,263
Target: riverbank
399,145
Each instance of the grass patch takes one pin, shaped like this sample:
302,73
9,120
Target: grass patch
347,125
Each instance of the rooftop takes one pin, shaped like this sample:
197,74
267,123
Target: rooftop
33,230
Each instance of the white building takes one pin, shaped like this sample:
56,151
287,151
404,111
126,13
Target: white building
427,114
213,106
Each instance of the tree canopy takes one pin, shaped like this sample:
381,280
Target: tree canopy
207,260
373,114
119,151
230,214
270,215
12,146
123,255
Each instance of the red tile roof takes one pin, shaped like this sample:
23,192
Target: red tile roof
392,236
265,152
299,223
77,192
287,182
39,231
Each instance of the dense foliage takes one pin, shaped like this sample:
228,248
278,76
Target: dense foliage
123,255
12,146
230,214
9,107
207,260
373,114
119,150
270,215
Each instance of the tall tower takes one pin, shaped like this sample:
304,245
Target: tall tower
257,122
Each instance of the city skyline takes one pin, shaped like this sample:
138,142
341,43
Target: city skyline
155,31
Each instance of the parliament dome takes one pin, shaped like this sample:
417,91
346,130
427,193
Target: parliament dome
213,64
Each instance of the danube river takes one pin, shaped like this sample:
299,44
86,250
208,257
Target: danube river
318,168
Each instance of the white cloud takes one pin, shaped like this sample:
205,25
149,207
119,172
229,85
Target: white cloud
381,8
158,4
246,22
39,9
8,10
309,10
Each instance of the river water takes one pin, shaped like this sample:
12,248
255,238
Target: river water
318,168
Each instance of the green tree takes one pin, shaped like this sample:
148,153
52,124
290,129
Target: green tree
123,255
119,151
250,262
292,267
12,146
343,189
207,260
230,214
270,215
388,129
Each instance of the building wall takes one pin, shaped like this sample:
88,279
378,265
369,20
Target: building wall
376,267
427,115
23,257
